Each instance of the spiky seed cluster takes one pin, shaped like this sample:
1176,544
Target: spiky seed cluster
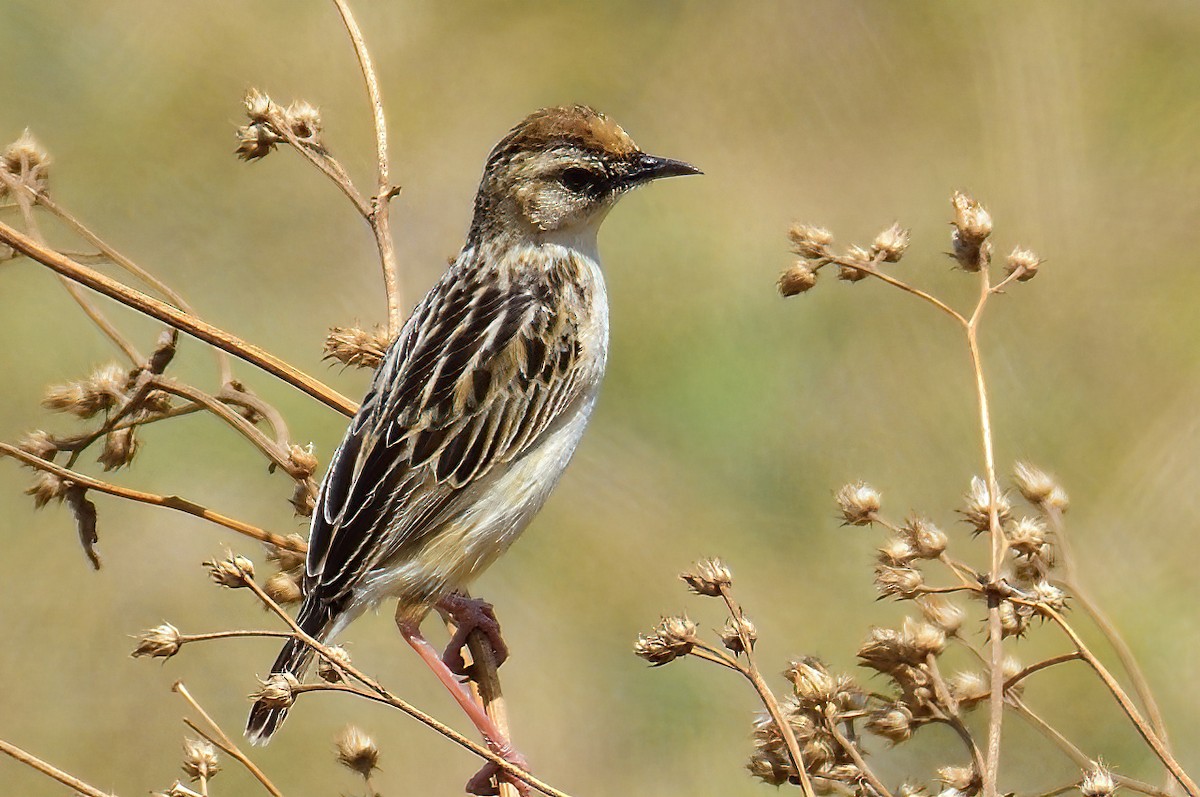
356,347
852,264
40,444
98,393
161,642
893,722
968,688
278,691
1022,264
978,505
177,789
671,638
733,632
890,244
942,613
283,588
232,571
798,278
1098,782
271,125
302,459
858,503
1039,488
972,226
902,583
199,759
48,487
708,577
120,447
357,751
330,669
961,780
25,160
1026,536
810,242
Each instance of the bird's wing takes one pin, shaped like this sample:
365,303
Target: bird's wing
480,371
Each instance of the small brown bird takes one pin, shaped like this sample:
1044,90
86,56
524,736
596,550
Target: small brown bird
481,399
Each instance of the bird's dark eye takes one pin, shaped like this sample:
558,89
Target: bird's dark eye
579,180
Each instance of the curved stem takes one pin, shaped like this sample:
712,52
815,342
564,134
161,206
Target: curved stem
50,770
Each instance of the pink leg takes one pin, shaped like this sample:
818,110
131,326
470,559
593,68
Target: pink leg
496,741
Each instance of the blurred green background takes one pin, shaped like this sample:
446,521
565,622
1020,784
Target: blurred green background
729,416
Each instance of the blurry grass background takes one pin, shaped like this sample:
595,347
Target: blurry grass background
729,416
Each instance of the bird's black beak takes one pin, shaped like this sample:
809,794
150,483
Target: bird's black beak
643,168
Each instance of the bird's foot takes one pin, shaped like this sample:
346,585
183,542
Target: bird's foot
486,782
470,614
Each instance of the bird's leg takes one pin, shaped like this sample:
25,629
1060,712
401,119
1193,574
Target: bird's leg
496,740
468,615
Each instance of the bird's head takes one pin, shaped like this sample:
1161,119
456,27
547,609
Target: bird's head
562,169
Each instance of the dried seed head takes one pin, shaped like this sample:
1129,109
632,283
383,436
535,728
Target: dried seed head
177,790
923,639
908,789
302,459
278,691
941,612
304,498
25,160
809,241
859,503
970,219
40,444
968,688
356,347
708,577
1023,264
902,583
1034,484
330,671
731,637
283,588
97,393
890,243
199,759
158,401
1057,501
357,751
893,722
854,256
1049,595
927,540
896,550
964,780
1026,536
120,447
1098,782
977,510
161,642
259,107
256,141
798,278
304,120
884,650
48,487
811,681
770,767
286,558
232,571
1013,621
671,638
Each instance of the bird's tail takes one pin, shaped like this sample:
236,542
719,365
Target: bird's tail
316,619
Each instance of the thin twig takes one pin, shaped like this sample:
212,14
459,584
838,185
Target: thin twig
169,501
856,756
182,321
223,741
50,770
902,285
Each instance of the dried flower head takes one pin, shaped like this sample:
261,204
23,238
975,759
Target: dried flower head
671,638
1034,484
199,759
811,681
232,571
1026,536
902,583
708,577
858,503
809,241
849,262
120,447
732,633
941,612
968,688
329,670
177,790
977,510
287,558
40,444
26,160
893,722
964,780
356,347
972,224
48,487
923,639
283,588
1023,264
304,120
161,642
357,751
896,550
1014,620
85,398
302,459
890,244
1098,782
256,141
278,691
1049,595
259,107
798,278
927,540
885,651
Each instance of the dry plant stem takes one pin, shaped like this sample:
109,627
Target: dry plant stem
222,740
169,501
485,678
1147,733
1081,759
1120,647
874,271
954,720
379,216
185,322
852,751
765,694
51,770
381,695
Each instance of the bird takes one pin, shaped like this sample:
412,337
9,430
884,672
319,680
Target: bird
481,399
